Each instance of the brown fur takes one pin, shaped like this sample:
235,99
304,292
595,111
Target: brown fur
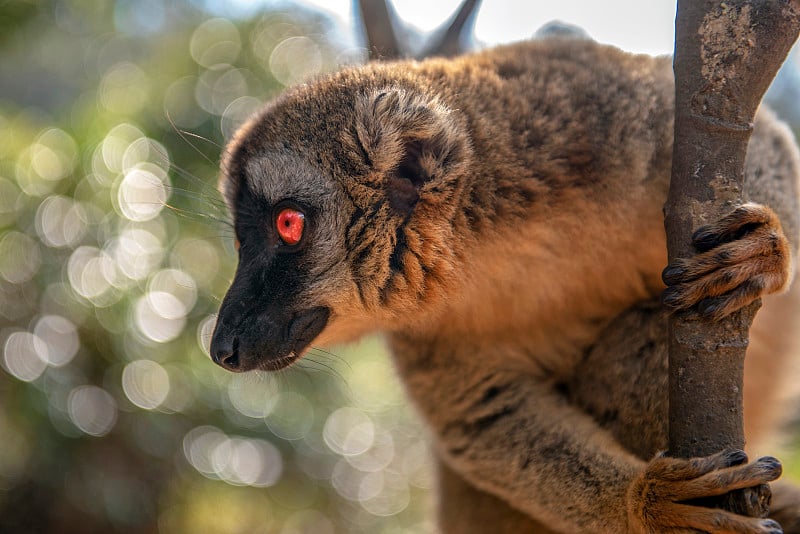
499,217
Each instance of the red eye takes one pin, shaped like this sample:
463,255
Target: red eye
290,224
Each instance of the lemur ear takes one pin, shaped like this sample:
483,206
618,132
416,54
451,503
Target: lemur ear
411,140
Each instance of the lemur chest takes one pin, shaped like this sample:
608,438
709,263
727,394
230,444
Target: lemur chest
551,287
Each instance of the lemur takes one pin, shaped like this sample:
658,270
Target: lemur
498,216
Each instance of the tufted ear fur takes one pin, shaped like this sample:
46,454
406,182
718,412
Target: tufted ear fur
413,141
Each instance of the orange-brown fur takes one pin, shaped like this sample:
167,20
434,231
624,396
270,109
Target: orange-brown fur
498,216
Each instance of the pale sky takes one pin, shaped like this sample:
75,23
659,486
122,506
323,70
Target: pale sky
634,25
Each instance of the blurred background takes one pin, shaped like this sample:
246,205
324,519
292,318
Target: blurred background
115,252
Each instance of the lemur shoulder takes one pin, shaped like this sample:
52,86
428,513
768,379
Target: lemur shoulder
499,217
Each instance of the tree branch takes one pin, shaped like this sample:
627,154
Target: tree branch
377,17
386,38
726,55
454,38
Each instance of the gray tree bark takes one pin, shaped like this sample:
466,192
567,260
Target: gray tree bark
726,55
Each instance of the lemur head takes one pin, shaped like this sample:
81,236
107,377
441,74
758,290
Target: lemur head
343,195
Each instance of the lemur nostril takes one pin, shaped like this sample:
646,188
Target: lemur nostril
225,351
228,359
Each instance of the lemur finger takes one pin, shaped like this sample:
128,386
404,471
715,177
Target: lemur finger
734,226
763,275
718,307
722,481
676,469
729,288
678,480
764,241
722,522
718,283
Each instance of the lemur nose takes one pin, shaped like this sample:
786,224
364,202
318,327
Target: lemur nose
225,350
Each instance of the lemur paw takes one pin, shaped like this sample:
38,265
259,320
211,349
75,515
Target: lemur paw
741,257
657,499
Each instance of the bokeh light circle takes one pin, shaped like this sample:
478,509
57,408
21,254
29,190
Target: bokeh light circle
349,431
249,462
237,113
292,416
378,456
24,356
115,143
295,59
384,493
254,394
20,257
124,88
61,338
136,252
61,222
92,274
146,152
180,285
217,89
141,195
145,383
160,316
215,42
237,460
92,409
205,329
45,162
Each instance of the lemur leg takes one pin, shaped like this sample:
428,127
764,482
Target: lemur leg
465,509
519,438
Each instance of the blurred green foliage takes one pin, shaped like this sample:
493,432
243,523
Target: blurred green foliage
114,253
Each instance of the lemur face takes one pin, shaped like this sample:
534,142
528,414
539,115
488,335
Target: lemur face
343,200
283,221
